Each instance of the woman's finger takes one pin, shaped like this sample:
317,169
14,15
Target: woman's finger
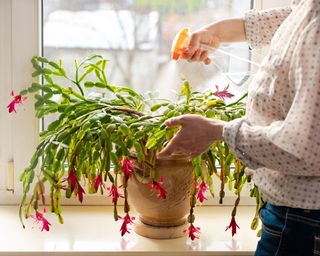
173,146
193,45
207,61
196,56
204,55
166,152
175,121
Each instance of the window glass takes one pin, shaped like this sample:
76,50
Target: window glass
136,35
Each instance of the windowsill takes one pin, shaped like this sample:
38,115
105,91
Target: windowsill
90,230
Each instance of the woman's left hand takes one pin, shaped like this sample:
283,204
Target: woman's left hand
195,137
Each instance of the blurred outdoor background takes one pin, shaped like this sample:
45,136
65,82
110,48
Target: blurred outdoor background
136,35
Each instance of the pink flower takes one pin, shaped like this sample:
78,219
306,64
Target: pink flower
203,187
114,193
39,218
98,182
233,225
80,192
192,230
223,94
72,179
127,167
17,99
157,186
126,221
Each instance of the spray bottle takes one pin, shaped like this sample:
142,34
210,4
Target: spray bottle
182,40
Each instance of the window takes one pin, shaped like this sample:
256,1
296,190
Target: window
144,42
19,41
136,36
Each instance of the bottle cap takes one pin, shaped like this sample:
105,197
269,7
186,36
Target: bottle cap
180,42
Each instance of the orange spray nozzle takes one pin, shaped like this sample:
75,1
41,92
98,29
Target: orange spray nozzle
180,42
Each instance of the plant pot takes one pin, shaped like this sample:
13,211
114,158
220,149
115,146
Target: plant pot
162,218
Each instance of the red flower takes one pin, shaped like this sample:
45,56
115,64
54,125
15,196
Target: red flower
114,193
233,225
72,179
192,230
39,218
223,94
17,99
80,192
98,182
157,186
203,187
126,221
127,167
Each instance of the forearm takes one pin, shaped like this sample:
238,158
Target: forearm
257,148
290,145
228,30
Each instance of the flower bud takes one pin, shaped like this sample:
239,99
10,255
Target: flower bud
254,223
35,205
259,233
191,218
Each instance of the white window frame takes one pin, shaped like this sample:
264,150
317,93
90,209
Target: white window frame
20,39
265,4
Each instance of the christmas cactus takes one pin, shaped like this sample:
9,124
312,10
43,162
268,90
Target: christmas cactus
99,140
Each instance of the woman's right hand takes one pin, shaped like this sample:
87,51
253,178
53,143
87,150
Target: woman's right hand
194,52
222,31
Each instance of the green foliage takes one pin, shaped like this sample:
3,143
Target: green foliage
172,6
92,134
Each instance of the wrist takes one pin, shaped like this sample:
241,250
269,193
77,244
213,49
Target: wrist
215,30
214,34
228,30
220,127
216,130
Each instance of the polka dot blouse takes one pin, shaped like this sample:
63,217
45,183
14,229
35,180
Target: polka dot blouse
279,138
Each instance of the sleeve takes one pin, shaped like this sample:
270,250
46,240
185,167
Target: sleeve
260,26
290,146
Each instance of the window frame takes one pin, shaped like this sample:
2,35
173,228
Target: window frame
21,38
22,30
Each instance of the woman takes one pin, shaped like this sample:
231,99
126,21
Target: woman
279,138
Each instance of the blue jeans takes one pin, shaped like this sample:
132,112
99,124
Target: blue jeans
289,232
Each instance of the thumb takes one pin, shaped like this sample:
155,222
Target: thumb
174,122
166,152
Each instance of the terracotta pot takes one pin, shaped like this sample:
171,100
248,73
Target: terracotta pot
162,218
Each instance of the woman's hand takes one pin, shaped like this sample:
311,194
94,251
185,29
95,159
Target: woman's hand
195,137
195,52
223,31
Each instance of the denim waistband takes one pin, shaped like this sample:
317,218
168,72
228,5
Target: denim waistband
283,210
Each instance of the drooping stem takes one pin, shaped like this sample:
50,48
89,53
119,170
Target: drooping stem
128,110
236,102
126,206
115,208
193,200
221,161
236,203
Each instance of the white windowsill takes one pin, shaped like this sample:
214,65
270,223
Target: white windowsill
90,230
